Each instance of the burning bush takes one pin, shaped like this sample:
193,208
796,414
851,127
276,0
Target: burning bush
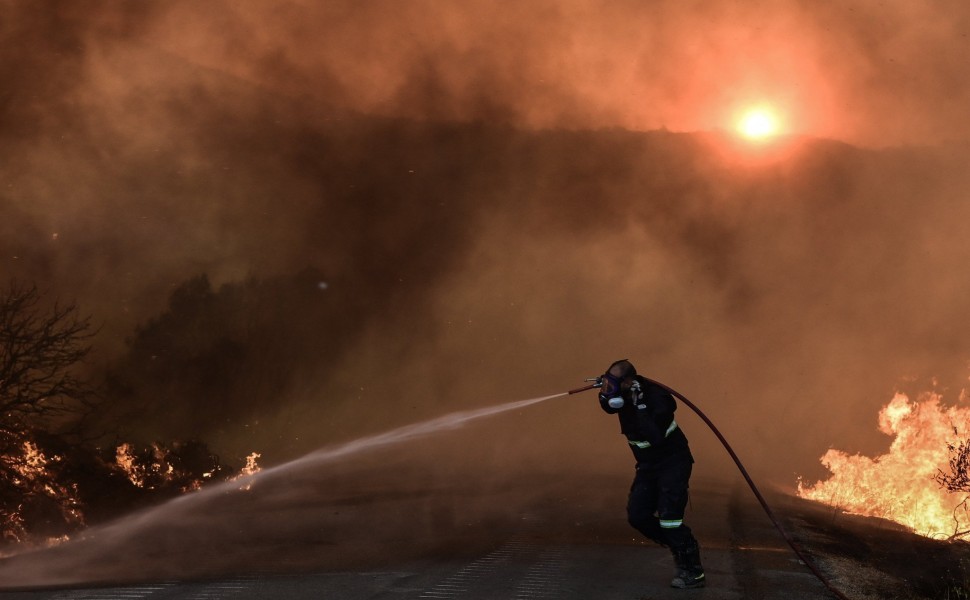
50,488
958,479
901,485
51,484
174,468
41,345
35,497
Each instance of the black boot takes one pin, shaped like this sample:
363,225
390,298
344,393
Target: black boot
690,573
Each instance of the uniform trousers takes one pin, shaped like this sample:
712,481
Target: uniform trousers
657,501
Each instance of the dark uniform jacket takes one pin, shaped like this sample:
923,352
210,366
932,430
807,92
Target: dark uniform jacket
648,424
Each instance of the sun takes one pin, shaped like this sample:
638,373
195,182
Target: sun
758,124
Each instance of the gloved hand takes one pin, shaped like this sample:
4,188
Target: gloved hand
636,393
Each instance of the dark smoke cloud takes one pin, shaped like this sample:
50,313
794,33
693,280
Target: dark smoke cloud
467,183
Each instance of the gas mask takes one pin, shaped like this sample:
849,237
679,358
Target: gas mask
610,392
613,393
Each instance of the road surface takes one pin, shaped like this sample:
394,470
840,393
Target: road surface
542,557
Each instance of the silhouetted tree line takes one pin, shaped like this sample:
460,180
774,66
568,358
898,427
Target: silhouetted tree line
220,358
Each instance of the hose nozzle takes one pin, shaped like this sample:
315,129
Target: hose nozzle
597,382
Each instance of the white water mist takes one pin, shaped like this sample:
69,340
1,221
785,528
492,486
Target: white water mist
286,512
122,529
444,423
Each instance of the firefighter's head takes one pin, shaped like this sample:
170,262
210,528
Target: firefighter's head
617,382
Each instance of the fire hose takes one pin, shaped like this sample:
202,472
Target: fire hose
808,562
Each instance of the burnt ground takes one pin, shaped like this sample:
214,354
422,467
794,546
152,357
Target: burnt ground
876,558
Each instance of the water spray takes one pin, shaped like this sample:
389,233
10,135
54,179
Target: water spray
598,382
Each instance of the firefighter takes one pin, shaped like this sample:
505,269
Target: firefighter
658,495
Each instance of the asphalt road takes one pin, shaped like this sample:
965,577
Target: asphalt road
558,557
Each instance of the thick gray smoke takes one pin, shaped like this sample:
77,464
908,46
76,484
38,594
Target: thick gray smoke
501,203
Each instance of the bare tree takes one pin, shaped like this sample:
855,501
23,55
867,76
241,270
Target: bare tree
40,346
958,481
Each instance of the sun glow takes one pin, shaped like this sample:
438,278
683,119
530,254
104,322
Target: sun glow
758,124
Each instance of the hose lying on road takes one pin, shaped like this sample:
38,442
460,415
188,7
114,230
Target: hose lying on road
771,515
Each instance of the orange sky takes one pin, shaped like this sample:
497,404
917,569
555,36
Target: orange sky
865,72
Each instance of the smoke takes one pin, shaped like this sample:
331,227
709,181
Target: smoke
496,204
864,72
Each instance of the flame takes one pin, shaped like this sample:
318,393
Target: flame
40,489
159,468
901,484
248,471
32,474
251,467
126,462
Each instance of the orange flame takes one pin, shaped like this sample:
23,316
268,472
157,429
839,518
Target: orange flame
156,469
39,483
248,471
251,467
32,475
900,485
126,462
